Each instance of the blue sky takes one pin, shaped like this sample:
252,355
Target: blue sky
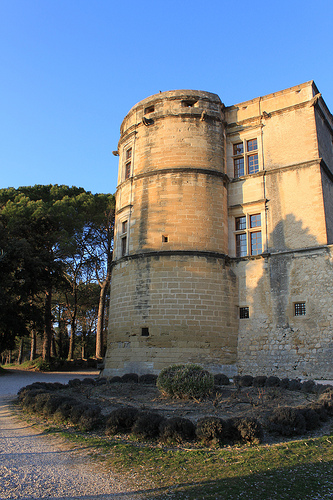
72,69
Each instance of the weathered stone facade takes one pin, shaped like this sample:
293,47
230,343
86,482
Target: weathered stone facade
224,231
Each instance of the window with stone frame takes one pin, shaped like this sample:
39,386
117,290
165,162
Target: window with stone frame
248,235
123,238
245,157
299,309
128,163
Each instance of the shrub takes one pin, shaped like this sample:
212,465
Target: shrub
91,418
320,409
221,379
115,379
101,381
272,381
42,365
185,381
40,400
121,420
52,404
287,421
236,380
294,385
326,399
309,386
130,377
147,424
212,430
88,381
246,429
284,383
245,381
75,382
177,429
148,378
312,419
259,381
63,412
77,411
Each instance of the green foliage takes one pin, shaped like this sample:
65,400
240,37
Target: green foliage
147,425
52,237
121,420
185,381
221,379
212,430
287,421
177,430
245,429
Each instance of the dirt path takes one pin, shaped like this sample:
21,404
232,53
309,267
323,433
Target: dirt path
33,466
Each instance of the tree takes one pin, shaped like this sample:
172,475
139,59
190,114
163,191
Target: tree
49,235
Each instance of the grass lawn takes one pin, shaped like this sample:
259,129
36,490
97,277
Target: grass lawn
300,469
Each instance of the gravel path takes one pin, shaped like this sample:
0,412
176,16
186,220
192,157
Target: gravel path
34,466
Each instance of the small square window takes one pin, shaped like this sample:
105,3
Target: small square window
165,239
145,331
244,312
299,309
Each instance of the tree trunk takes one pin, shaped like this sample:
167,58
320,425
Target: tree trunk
47,337
53,347
100,319
20,353
33,345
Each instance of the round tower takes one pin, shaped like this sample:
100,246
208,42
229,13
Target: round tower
172,293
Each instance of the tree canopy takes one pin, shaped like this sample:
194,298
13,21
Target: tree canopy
52,240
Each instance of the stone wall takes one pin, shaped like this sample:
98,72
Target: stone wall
273,341
166,309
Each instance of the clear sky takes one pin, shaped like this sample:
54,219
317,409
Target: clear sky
70,70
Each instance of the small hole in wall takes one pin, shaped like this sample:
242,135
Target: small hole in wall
150,109
189,103
145,331
165,239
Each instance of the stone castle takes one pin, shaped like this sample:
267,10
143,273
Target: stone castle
224,236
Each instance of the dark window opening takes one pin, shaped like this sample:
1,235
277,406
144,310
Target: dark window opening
165,239
189,103
123,246
244,312
127,170
299,309
150,109
145,331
